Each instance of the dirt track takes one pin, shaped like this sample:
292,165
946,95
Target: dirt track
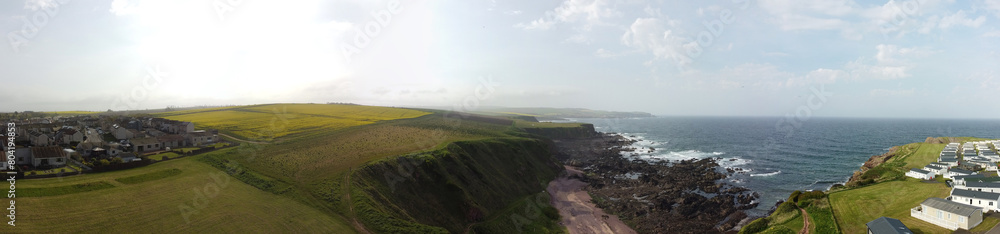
579,215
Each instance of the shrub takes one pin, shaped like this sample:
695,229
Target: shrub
811,195
756,226
778,230
804,203
795,196
551,212
785,207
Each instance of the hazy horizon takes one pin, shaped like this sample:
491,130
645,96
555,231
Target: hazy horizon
890,59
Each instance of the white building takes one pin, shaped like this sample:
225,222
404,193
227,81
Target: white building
957,172
986,200
920,174
948,214
935,169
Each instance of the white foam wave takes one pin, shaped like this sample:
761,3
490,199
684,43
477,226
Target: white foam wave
733,162
767,174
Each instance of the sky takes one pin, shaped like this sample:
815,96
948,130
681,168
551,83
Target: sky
804,58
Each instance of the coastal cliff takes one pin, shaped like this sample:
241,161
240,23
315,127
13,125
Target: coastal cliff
482,186
859,178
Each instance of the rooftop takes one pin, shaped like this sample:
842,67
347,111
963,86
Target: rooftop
950,206
888,225
975,194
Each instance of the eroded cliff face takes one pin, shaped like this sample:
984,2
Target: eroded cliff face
583,131
872,162
446,190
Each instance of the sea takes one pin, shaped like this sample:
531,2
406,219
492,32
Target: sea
781,155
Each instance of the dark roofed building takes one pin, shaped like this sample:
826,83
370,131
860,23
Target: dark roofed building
885,225
48,156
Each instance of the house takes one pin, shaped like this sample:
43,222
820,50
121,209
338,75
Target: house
134,124
68,135
121,133
48,157
23,156
171,140
948,214
176,127
38,138
986,200
935,169
154,133
957,172
920,174
140,145
960,180
3,163
885,225
938,164
200,138
980,186
951,162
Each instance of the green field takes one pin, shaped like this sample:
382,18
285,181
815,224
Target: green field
302,183
856,207
924,154
154,207
279,120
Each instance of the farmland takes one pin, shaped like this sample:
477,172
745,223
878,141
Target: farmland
303,181
853,208
153,207
279,120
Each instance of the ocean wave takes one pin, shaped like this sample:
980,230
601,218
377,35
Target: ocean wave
733,162
766,174
679,155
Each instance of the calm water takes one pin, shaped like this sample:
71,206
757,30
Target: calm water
817,154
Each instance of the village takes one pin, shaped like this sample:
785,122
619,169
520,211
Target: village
973,193
54,146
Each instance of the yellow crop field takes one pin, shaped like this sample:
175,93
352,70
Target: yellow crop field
278,120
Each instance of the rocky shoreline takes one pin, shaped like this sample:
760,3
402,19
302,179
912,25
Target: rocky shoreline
657,196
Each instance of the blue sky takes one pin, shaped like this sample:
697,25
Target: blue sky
914,59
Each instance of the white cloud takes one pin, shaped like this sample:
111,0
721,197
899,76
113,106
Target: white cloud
513,12
35,5
591,12
809,15
825,76
959,18
992,34
650,34
122,7
891,92
603,53
892,54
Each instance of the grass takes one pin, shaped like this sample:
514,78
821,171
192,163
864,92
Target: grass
51,171
160,156
923,154
300,183
185,150
155,207
149,176
527,124
821,217
62,190
793,222
856,207
986,225
279,120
